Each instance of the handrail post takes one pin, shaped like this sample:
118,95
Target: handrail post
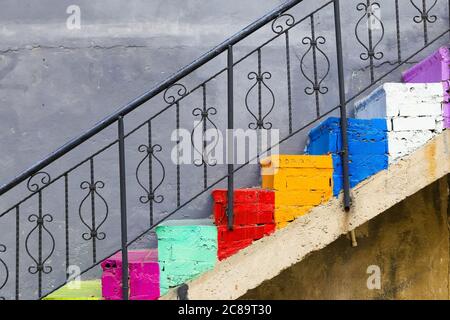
123,209
343,108
230,139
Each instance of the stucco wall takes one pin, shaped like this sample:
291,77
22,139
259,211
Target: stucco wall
56,83
409,243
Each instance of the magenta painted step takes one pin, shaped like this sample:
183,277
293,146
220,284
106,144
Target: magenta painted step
435,68
143,275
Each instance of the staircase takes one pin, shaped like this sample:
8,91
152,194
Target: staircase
296,209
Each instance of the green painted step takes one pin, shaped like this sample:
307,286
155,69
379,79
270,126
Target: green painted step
88,290
186,249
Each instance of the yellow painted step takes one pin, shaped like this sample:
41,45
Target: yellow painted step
286,214
300,182
85,290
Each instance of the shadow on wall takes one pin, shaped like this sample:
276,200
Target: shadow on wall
402,254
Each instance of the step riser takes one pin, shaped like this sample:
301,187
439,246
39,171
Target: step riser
413,114
299,183
253,218
186,250
368,148
144,276
434,69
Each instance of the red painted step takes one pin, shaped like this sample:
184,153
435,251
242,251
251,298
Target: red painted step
253,219
251,207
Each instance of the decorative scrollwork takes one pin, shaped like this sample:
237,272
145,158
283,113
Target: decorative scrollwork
260,78
179,92
424,13
282,23
369,10
40,261
150,153
204,115
316,83
3,266
45,179
93,193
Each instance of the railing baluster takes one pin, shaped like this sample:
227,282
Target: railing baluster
425,20
397,19
260,121
150,169
66,223
17,252
424,17
40,245
370,37
342,101
288,69
177,105
230,146
259,85
314,54
92,186
4,272
123,209
92,178
204,154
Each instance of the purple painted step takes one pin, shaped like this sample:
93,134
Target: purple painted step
143,275
435,68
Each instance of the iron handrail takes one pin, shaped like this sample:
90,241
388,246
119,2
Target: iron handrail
159,88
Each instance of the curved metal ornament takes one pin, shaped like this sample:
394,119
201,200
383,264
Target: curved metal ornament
150,193
40,227
179,92
424,13
424,18
5,273
283,23
316,83
202,125
94,194
45,179
368,10
260,82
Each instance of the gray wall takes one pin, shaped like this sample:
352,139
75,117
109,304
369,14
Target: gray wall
55,83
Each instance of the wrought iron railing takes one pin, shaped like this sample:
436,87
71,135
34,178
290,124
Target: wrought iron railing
36,243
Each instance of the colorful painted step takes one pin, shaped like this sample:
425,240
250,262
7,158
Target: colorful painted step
83,290
434,69
143,274
300,182
413,113
253,218
367,146
186,249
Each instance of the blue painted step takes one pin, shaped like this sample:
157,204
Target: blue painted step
367,143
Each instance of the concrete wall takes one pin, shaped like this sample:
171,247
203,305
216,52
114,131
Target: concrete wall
56,83
409,243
